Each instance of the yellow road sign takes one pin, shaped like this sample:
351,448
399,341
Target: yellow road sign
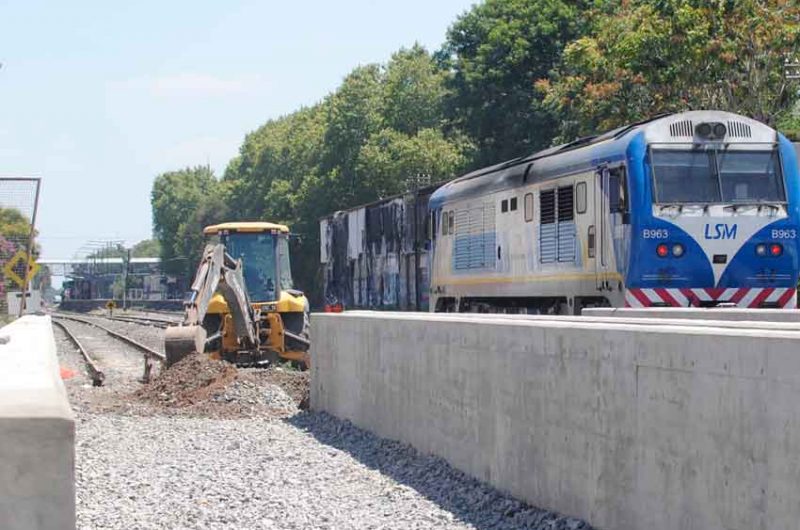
8,269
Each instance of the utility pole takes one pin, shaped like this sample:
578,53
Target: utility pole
125,282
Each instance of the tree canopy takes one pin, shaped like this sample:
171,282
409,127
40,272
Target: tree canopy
147,248
650,57
512,76
383,125
496,52
182,202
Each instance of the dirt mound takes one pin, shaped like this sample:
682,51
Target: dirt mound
193,379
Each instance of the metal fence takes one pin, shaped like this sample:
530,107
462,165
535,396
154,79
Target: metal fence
19,199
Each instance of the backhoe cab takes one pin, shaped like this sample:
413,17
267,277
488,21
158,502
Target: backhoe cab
243,307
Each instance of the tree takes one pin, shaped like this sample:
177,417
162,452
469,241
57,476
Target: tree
413,92
381,126
273,162
175,198
13,224
354,114
391,157
147,248
496,52
654,56
213,209
15,231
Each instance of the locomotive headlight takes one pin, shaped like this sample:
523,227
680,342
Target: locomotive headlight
703,130
776,249
761,249
677,250
711,131
662,250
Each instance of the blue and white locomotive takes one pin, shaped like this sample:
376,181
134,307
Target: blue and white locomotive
698,208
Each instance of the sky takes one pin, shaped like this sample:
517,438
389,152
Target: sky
97,98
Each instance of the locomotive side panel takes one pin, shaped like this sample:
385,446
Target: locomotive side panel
540,247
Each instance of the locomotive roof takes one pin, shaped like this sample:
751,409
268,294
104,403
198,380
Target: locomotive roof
561,160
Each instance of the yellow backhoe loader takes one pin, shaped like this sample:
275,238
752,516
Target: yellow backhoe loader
242,306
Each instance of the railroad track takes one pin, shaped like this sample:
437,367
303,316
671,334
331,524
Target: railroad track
95,373
150,355
145,321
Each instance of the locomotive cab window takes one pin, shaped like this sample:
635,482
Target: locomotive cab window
504,206
451,222
528,207
444,223
512,204
617,190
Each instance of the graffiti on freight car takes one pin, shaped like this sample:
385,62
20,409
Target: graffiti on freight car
376,256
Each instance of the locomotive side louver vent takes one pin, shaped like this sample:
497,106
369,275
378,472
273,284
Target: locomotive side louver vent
681,128
738,129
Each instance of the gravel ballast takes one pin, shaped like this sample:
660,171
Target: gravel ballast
239,452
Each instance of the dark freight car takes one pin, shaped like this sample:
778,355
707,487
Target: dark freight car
376,256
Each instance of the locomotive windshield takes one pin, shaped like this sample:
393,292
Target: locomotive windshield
716,176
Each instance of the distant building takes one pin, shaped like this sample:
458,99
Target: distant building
102,278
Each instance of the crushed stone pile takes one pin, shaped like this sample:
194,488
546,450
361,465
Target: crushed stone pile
200,386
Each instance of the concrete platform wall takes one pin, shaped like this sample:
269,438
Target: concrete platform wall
716,313
37,431
626,426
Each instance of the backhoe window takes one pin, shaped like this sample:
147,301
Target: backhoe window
286,266
258,255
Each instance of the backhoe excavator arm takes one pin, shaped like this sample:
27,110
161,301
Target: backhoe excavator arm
217,272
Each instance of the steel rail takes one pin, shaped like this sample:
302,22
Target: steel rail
95,373
143,321
148,352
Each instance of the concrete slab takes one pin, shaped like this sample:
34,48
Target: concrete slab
626,425
621,318
714,313
37,431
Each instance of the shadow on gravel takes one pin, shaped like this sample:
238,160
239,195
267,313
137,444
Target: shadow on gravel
468,499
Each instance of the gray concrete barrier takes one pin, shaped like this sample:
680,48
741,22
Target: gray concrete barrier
712,313
627,426
37,431
624,318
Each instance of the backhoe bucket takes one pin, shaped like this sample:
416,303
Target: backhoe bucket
180,341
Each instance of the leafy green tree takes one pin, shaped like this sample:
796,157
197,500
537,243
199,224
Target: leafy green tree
413,92
652,56
273,162
391,157
175,198
496,52
381,126
147,248
15,231
212,210
354,114
13,224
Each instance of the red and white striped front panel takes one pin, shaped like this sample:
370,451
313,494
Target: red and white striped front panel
783,297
